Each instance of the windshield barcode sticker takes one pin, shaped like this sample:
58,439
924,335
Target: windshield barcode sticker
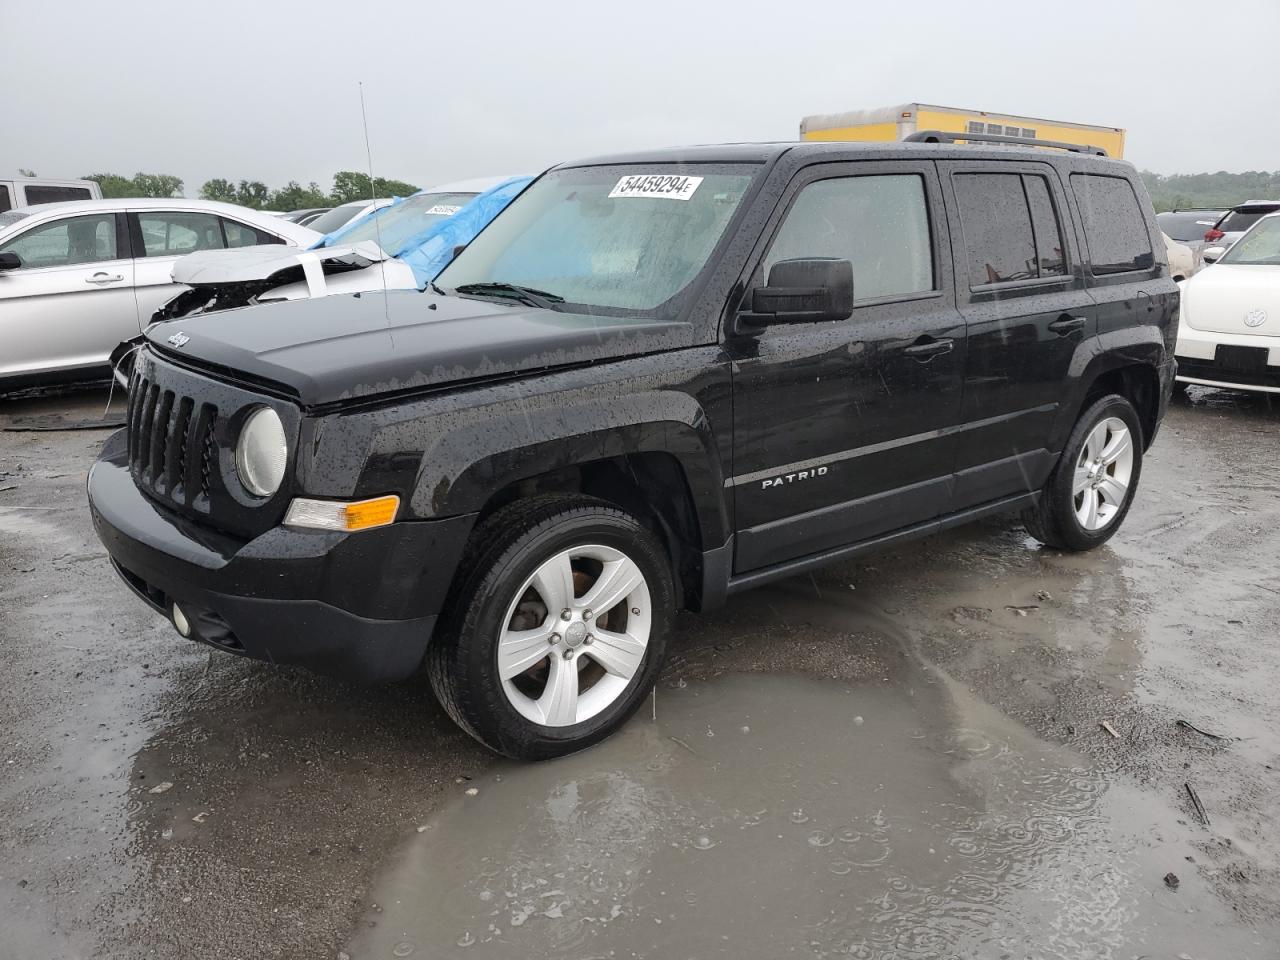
442,210
656,185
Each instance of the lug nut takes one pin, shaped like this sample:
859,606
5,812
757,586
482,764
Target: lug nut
553,639
586,614
589,640
566,614
568,654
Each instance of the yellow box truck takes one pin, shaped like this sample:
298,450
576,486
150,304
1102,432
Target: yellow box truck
895,123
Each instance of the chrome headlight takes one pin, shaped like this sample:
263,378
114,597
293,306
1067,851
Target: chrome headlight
261,452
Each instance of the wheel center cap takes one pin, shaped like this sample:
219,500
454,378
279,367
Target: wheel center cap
575,633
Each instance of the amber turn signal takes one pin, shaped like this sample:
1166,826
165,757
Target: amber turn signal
342,514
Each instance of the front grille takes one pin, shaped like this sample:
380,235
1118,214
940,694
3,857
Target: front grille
182,434
172,453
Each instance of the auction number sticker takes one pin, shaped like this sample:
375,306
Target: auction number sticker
442,210
667,186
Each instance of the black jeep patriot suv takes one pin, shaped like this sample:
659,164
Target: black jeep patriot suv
653,381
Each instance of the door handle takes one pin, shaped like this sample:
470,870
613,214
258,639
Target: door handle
926,350
102,277
1066,324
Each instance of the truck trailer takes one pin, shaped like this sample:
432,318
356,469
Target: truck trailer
897,123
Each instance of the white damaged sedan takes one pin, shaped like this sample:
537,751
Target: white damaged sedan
1229,332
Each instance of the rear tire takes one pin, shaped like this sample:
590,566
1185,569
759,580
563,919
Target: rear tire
521,661
1089,493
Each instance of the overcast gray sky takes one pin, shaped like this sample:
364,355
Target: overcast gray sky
267,90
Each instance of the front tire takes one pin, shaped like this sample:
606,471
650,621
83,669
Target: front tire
556,626
1091,489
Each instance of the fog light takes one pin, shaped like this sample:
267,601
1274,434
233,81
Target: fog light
181,622
345,515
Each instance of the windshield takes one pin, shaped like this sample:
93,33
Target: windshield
1259,246
391,226
1187,226
617,240
1244,218
337,217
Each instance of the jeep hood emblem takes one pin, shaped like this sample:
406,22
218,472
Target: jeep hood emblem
179,339
1255,318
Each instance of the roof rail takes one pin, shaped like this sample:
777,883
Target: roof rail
942,136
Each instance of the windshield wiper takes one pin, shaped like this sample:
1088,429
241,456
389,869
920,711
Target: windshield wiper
534,298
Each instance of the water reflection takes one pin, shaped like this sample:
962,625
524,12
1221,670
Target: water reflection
756,819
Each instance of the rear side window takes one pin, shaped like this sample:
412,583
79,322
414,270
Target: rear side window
879,223
47,194
1051,255
174,233
5,202
1114,228
243,235
1011,228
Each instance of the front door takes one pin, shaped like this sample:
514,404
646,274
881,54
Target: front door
71,301
844,431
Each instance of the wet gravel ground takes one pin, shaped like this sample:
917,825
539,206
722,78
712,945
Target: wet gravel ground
897,758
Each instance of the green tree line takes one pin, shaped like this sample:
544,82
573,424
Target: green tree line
348,185
1219,190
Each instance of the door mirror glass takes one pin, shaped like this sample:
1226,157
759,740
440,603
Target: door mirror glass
10,261
805,291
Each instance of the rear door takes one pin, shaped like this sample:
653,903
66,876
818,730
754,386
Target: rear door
160,237
1021,287
71,302
844,430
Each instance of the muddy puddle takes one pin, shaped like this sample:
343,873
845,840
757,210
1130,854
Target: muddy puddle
784,816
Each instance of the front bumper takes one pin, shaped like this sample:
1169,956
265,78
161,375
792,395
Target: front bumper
1199,360
360,606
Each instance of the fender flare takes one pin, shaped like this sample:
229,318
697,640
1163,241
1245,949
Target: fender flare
525,441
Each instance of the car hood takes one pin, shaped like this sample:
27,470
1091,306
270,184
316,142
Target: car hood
220,267
1233,298
347,347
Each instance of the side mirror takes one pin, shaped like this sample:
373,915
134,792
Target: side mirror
1210,254
805,291
10,261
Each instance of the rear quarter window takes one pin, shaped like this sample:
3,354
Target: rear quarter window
1115,230
38,194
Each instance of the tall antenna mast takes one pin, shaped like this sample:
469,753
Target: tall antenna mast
377,225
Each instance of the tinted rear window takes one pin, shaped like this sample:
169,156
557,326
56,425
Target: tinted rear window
45,194
337,217
5,202
1114,228
1238,220
1187,226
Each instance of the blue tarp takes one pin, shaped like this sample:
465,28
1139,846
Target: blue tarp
429,251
